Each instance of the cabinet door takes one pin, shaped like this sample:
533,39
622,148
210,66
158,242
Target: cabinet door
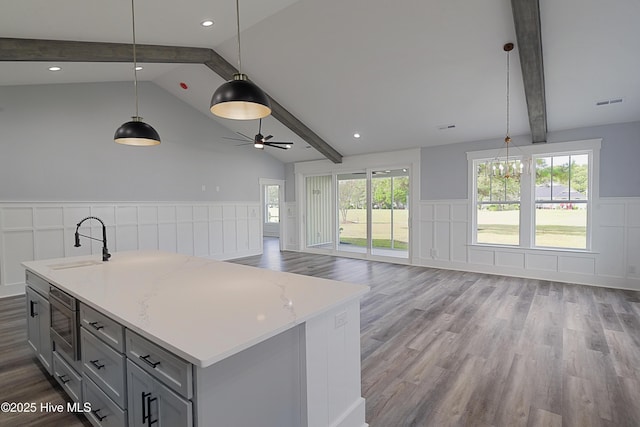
173,410
45,353
139,391
33,320
153,404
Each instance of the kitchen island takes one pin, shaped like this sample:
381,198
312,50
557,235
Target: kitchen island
238,345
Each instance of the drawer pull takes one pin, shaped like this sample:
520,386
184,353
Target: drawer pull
145,407
96,326
63,379
149,400
97,364
98,416
149,362
32,306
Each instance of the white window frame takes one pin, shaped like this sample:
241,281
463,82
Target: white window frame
527,188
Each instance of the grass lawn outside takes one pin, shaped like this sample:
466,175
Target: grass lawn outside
354,229
560,228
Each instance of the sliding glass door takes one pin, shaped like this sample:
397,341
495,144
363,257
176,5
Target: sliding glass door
352,212
390,212
362,212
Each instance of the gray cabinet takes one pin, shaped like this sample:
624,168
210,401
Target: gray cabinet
38,324
151,403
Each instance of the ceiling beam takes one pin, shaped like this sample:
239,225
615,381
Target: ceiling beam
73,51
526,18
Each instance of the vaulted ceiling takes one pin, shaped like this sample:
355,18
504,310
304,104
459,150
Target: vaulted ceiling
399,73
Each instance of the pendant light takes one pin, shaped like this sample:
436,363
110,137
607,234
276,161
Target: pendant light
136,132
240,99
508,168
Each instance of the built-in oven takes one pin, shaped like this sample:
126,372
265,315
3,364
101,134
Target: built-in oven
65,332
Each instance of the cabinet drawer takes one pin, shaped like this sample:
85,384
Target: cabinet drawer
70,381
104,365
37,283
109,331
173,371
104,412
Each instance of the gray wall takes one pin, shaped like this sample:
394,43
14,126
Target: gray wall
56,143
444,168
290,185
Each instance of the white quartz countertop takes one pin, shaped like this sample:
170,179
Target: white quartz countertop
200,309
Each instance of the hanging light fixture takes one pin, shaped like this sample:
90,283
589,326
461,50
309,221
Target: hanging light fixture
240,99
507,167
136,132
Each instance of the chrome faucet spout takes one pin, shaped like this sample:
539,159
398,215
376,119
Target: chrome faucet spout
105,252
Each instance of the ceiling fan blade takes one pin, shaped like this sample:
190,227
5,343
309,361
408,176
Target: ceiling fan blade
233,139
275,146
266,138
240,133
279,143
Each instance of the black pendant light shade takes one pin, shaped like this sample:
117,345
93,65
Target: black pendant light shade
137,132
240,99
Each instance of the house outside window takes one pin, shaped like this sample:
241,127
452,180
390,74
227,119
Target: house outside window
544,203
272,204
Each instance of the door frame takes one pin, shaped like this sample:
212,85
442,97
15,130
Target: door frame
281,208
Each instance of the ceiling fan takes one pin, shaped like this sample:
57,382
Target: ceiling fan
259,141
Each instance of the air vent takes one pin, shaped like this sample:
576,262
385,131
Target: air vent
446,127
609,102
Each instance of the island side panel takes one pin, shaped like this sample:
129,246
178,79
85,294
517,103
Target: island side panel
333,383
262,385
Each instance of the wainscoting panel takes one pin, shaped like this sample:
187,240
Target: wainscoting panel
444,242
42,230
291,230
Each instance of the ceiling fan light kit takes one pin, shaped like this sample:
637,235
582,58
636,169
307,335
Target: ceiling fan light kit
240,99
136,132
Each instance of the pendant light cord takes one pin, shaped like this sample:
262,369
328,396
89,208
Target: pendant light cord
508,73
238,26
135,63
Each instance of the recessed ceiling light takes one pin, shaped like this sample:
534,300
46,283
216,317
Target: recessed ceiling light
288,146
207,23
138,68
356,135
55,68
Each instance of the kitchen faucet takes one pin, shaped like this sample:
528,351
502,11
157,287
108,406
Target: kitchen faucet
105,252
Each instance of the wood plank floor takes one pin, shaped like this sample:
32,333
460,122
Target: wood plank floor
443,348
22,378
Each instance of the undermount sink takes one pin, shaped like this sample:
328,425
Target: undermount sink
74,264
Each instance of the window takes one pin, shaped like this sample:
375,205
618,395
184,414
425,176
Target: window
543,203
561,200
497,203
272,204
